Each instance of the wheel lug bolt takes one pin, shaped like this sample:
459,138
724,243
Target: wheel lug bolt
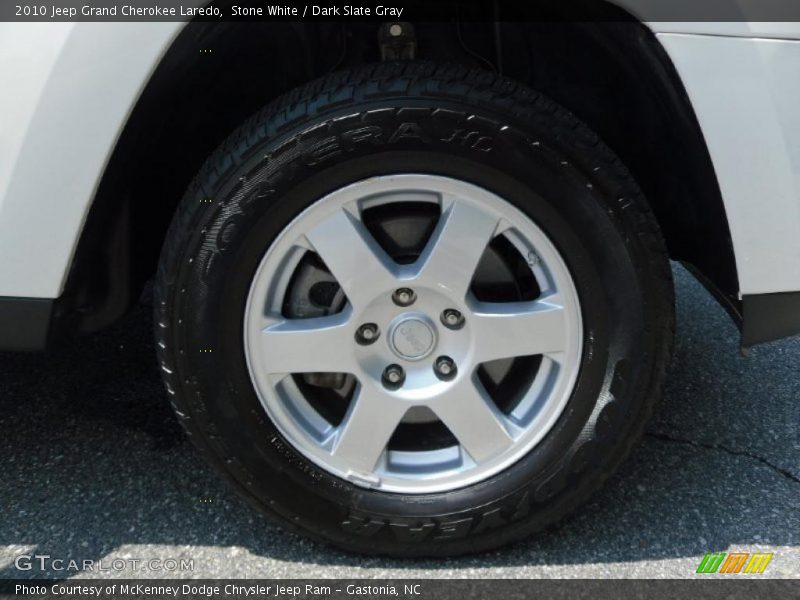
393,376
445,368
367,334
452,319
404,297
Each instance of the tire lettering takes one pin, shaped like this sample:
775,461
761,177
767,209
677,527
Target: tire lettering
227,231
409,131
259,193
362,525
444,530
407,533
490,520
470,139
455,529
372,134
321,151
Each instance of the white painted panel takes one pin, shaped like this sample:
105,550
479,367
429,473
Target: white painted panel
745,93
75,84
779,30
73,88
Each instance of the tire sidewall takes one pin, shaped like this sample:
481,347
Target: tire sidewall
552,179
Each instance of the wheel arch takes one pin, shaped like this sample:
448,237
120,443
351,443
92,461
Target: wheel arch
615,76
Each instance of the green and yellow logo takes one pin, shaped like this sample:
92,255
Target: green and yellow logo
734,562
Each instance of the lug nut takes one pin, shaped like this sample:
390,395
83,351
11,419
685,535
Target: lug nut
393,376
452,319
445,368
404,297
367,334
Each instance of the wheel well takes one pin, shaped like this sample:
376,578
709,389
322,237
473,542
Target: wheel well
613,75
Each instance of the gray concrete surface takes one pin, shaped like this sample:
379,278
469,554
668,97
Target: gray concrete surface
95,467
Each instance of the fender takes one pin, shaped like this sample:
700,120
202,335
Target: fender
58,138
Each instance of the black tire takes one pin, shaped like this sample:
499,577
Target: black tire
415,117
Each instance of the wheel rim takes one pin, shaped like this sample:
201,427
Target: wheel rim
413,338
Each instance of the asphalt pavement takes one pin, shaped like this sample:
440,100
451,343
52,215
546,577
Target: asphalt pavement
95,468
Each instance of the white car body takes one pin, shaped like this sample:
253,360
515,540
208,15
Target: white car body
69,88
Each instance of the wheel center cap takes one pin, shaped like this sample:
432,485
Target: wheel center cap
412,338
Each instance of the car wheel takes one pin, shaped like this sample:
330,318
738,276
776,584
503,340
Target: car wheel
414,309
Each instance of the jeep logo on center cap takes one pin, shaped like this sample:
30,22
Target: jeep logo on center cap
412,338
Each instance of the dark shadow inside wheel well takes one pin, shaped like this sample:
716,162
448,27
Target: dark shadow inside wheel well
616,77
613,74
